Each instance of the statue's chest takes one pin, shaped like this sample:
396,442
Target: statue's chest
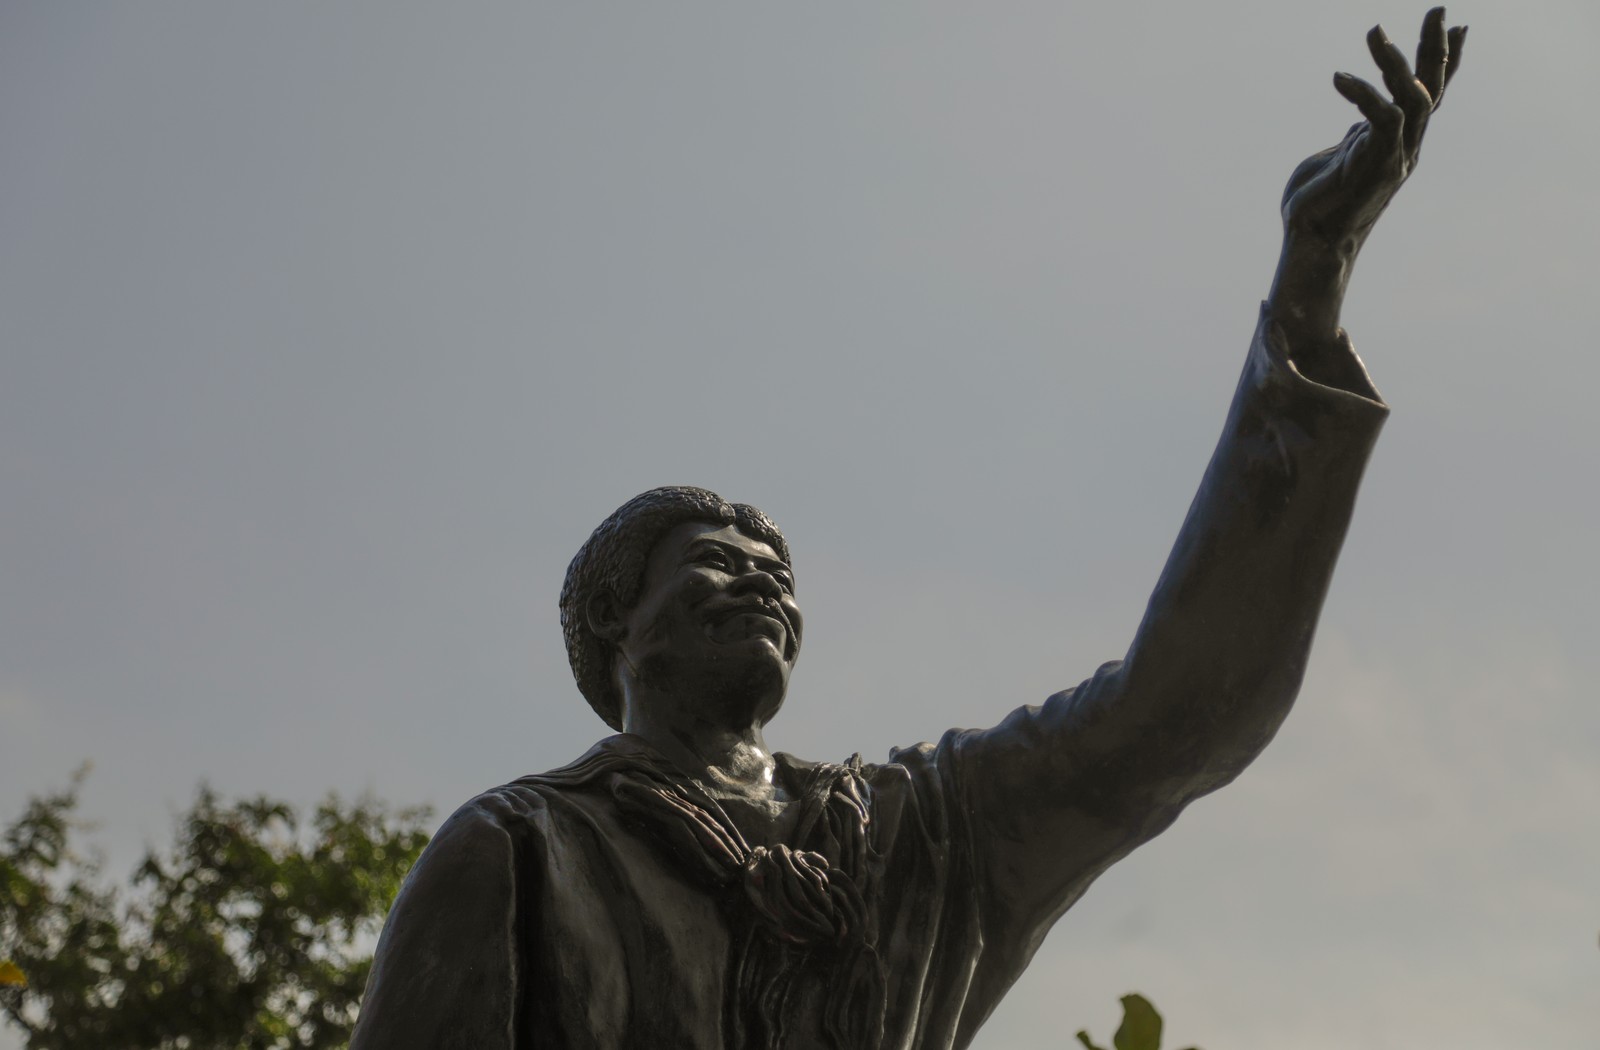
624,945
637,947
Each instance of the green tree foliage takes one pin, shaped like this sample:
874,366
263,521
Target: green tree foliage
1140,1028
253,932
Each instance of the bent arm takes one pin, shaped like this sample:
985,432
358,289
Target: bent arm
1223,645
1057,793
1222,649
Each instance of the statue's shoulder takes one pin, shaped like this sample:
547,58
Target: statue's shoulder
616,754
510,823
515,804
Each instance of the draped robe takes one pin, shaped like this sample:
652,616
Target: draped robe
611,904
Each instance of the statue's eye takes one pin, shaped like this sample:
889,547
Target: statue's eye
784,578
715,558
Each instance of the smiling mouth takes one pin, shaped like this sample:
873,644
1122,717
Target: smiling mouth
722,616
720,620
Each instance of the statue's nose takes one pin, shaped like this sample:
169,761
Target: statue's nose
758,581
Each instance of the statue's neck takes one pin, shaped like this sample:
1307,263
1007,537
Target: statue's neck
726,762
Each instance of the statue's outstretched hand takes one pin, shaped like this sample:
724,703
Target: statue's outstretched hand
1335,196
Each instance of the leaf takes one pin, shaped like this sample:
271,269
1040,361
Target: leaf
1083,1037
11,975
1141,1025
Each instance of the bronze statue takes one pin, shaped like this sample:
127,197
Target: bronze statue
682,887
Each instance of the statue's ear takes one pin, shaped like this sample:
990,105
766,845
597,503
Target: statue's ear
604,615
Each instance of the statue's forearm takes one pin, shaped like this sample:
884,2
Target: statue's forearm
1306,298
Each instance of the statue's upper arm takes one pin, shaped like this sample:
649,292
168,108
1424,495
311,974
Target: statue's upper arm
448,959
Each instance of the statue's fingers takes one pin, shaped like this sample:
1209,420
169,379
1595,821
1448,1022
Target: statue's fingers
1387,119
1433,53
1456,41
1408,92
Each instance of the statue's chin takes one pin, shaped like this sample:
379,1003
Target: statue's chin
737,684
750,693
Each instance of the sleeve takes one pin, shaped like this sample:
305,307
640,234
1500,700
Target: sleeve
1056,793
447,967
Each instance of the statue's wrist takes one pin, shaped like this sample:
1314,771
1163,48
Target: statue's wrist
1308,288
1311,247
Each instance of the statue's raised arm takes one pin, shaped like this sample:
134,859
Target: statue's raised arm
1057,793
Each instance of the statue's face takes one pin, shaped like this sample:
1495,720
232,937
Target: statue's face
716,619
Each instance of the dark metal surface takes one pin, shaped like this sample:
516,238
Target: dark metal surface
682,886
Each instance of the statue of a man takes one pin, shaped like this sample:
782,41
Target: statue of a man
680,886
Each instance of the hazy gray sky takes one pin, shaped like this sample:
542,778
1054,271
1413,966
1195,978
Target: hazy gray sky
330,331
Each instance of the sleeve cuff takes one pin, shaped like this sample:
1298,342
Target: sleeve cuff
1346,381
